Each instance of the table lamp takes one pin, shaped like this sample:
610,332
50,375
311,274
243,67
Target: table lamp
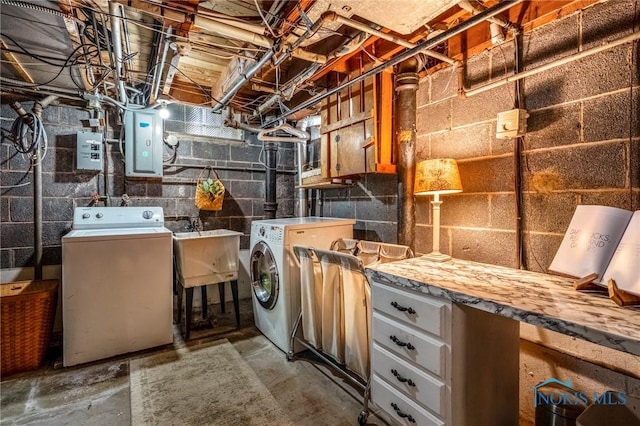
438,176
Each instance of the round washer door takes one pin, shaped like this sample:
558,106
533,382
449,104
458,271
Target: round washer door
264,275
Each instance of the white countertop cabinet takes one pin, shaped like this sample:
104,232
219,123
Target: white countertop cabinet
446,336
425,349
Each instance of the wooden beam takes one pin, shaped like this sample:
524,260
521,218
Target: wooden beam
205,64
340,65
294,15
185,91
198,75
385,139
15,63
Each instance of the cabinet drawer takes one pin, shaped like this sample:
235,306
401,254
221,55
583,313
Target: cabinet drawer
416,384
410,343
399,407
424,312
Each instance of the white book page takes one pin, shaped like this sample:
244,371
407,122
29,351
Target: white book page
624,267
590,241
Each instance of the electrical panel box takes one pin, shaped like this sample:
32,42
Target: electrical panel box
89,151
512,123
143,143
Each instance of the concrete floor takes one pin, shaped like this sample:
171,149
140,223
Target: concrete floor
98,393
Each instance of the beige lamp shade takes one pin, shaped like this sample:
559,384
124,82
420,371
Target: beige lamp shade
438,176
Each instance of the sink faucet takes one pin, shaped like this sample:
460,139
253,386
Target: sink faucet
195,224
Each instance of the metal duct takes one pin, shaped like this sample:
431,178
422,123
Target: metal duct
115,10
271,161
406,87
159,69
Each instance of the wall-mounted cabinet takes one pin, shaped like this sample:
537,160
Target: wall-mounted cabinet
356,133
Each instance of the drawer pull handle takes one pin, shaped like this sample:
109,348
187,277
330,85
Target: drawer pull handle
402,308
402,379
401,414
401,343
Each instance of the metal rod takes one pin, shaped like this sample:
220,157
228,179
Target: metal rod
243,79
228,168
483,16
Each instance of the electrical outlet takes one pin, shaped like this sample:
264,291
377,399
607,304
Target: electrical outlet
511,124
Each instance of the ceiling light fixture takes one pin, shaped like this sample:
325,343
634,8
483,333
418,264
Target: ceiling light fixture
164,111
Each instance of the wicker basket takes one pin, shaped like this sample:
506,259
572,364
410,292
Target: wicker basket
27,309
205,201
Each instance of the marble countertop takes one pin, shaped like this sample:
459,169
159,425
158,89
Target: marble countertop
543,300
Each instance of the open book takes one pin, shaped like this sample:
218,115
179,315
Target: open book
602,240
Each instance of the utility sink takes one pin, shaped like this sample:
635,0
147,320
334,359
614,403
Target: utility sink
206,257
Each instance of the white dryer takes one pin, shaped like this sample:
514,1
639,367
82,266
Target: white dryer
275,276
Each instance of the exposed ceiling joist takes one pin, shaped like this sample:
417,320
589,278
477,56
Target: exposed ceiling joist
235,34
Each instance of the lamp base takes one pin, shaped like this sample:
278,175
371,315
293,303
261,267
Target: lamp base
436,257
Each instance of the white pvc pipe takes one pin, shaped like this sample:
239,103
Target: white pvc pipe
116,22
476,8
401,42
562,61
231,31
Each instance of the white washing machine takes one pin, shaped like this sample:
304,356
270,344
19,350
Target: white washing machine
275,276
117,295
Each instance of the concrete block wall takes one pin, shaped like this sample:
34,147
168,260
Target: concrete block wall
582,147
65,188
372,201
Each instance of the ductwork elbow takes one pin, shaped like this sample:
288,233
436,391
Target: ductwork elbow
409,65
308,121
329,15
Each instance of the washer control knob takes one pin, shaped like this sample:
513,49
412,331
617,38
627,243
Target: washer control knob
261,231
147,214
86,215
99,215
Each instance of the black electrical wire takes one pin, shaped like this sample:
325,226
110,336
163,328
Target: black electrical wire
94,31
69,62
206,92
41,58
